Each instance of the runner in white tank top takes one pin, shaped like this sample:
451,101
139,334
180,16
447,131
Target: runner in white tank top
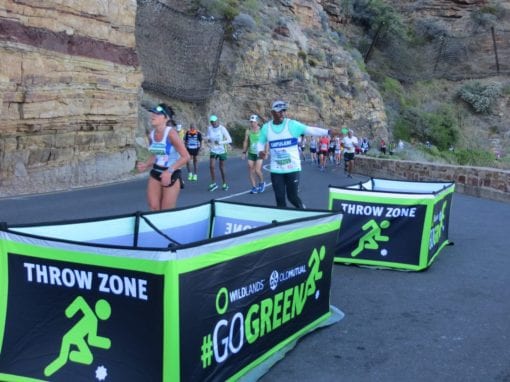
282,136
168,156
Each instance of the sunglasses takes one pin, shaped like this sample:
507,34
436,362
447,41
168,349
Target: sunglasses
280,107
160,110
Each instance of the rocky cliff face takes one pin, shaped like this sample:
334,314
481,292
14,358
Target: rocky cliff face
69,86
290,52
70,81
299,61
457,16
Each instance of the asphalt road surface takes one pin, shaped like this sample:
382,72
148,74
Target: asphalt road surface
448,323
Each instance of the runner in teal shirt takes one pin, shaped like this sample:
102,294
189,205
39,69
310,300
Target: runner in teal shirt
282,136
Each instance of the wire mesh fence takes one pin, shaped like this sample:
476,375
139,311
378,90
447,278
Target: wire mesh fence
450,57
179,54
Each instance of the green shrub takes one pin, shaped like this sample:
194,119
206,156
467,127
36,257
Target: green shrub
480,97
373,13
428,29
489,14
237,132
251,5
302,55
312,62
392,86
403,129
467,157
449,156
503,162
438,127
227,9
432,150
393,92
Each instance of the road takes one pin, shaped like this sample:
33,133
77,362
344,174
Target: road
448,323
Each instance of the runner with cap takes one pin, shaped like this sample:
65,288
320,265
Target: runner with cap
217,138
281,133
168,155
180,131
251,138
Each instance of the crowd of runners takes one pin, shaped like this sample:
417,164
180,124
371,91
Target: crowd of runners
286,143
336,150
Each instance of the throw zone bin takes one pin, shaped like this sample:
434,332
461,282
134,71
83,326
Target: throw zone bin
392,224
209,292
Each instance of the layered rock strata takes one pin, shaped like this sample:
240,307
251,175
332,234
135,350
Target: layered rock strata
69,89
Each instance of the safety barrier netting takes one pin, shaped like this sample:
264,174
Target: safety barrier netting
179,54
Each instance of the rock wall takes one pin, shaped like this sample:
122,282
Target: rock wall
69,91
456,16
288,50
70,86
476,181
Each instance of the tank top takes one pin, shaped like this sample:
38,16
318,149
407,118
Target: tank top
323,144
192,141
165,153
253,138
284,150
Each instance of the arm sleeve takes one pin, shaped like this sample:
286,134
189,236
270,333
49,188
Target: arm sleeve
298,128
316,131
261,145
226,136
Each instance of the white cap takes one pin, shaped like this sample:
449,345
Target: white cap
254,118
279,106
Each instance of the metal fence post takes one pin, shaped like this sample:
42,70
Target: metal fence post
376,37
495,48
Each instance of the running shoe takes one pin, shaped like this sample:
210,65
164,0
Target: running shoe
254,190
262,187
212,187
225,187
195,177
190,176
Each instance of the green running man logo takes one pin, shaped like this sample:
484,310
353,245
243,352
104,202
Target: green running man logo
314,263
86,327
372,237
